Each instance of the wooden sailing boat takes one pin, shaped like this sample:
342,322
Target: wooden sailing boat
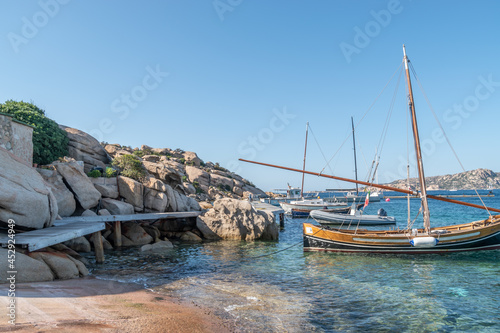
472,236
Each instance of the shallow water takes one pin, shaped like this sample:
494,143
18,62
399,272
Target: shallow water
263,290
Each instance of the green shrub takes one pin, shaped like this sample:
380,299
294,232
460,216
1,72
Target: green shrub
131,167
184,179
94,174
110,172
49,141
182,160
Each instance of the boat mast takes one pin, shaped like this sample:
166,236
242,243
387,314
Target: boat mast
355,164
420,166
304,166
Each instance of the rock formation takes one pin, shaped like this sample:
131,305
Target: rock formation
24,195
83,147
232,219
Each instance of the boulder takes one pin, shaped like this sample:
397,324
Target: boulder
188,236
172,201
154,184
29,269
78,183
108,187
238,191
80,244
83,147
103,212
188,188
221,181
131,190
161,245
136,233
88,213
192,158
151,158
59,263
153,231
192,204
155,200
255,191
232,219
65,200
116,207
198,175
24,196
168,174
181,200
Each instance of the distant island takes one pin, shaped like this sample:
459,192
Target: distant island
474,179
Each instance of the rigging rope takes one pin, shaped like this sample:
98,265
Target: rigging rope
364,115
444,133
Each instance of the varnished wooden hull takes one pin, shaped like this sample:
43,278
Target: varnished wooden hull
476,236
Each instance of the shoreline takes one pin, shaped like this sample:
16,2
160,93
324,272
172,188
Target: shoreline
94,305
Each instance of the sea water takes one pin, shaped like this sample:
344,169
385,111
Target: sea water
276,287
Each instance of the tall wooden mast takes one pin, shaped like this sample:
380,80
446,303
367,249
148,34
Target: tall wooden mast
420,165
355,162
304,166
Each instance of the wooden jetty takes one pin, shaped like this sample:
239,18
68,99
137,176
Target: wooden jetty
77,226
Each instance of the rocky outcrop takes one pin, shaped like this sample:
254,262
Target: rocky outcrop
65,200
24,196
83,147
232,219
78,182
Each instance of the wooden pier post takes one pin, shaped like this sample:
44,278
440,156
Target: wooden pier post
282,221
117,231
98,247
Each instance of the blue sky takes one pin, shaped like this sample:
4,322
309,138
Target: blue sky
236,79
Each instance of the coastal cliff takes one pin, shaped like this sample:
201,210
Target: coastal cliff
473,179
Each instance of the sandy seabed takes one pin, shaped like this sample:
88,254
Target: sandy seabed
93,305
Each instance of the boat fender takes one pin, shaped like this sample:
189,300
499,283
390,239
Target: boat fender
424,241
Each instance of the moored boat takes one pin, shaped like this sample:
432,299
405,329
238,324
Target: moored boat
353,218
473,236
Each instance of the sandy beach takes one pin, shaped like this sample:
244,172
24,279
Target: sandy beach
93,305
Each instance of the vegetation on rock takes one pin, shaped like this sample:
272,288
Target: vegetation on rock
131,167
49,141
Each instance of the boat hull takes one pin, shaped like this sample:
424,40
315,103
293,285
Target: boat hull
329,218
287,207
459,238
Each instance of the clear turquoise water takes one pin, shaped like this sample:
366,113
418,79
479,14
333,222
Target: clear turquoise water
292,291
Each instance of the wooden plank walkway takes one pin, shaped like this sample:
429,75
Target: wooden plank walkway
41,238
76,226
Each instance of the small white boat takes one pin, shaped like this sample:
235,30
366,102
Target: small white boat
354,218
309,204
